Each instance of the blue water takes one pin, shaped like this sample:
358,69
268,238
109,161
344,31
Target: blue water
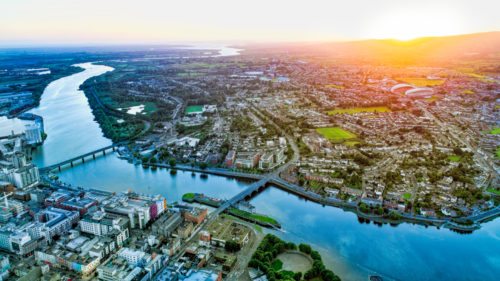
68,119
404,252
114,174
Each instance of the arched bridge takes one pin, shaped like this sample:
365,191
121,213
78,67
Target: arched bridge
81,158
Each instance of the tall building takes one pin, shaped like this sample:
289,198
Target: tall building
33,134
25,176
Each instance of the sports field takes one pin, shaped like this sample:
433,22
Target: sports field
355,110
194,109
334,86
336,134
421,82
495,131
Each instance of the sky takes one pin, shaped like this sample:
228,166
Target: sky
52,22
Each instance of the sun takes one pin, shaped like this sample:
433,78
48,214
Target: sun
405,25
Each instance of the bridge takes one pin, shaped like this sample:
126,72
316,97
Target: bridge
81,158
250,191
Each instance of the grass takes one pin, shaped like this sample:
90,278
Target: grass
336,134
188,197
494,191
351,143
495,131
201,65
431,99
454,158
355,110
194,108
189,74
334,86
254,216
498,152
480,77
468,92
422,82
407,196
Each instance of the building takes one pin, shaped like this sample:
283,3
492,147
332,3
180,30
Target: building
195,215
117,269
51,222
33,134
420,93
128,265
266,161
17,242
56,257
230,157
25,177
133,257
247,160
104,224
139,209
81,205
167,224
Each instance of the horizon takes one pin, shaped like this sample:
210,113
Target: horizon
217,44
32,23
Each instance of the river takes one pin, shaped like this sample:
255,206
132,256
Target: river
352,249
68,119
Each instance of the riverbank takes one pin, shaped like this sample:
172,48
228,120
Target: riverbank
347,206
260,219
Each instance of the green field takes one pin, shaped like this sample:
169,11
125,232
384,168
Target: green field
407,196
189,74
336,134
253,216
421,82
355,110
188,197
495,131
454,158
498,152
194,109
494,191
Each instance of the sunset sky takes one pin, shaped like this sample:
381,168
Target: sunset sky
41,22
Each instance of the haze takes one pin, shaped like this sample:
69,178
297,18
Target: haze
29,22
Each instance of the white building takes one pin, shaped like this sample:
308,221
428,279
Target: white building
33,134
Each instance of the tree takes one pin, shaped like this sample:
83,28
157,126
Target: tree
203,165
304,248
171,162
232,246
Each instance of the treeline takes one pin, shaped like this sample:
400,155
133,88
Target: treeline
271,246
